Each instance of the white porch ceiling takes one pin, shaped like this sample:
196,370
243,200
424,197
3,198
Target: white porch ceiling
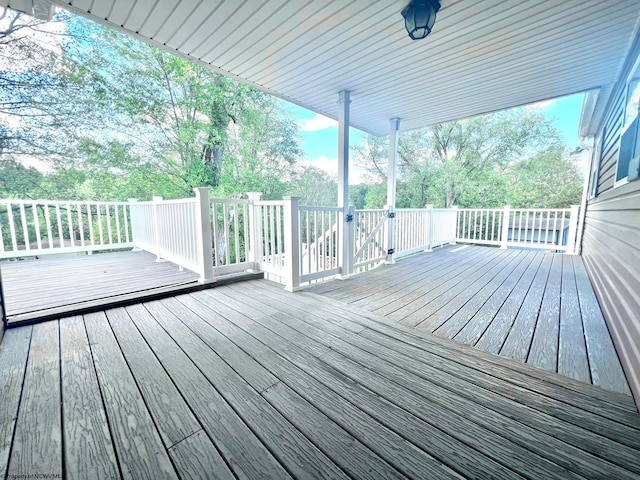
482,56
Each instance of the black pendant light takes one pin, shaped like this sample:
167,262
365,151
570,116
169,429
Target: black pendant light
419,17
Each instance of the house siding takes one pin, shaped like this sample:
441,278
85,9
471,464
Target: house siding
611,238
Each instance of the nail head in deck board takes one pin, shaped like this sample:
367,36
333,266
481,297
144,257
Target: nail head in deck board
544,345
14,351
88,448
344,449
288,445
606,370
172,416
572,350
472,332
243,451
37,444
198,458
138,444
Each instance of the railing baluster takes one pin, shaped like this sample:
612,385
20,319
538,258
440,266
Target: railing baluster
118,233
36,224
109,229
25,228
80,223
12,227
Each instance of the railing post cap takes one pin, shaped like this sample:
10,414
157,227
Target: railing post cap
156,198
290,197
132,200
254,195
430,206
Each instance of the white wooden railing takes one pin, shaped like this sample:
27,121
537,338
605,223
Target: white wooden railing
370,244
419,229
319,236
41,227
291,244
545,229
169,230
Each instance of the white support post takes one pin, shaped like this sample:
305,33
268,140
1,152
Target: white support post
255,231
455,225
573,229
392,170
292,242
429,208
504,235
345,245
156,227
132,221
203,234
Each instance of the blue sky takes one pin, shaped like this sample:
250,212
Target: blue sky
320,134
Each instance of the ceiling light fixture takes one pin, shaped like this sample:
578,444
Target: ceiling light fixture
419,17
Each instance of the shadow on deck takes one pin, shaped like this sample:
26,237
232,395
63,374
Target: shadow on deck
249,381
534,307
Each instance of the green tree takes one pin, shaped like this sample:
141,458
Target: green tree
549,179
460,163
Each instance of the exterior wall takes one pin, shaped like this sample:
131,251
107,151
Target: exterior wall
611,237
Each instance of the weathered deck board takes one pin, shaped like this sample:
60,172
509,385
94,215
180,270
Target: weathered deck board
138,444
89,451
13,363
270,384
238,445
377,364
37,445
290,447
519,304
618,406
606,370
572,350
497,306
462,379
544,345
34,285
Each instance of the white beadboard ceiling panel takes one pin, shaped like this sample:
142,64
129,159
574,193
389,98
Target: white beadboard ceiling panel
482,56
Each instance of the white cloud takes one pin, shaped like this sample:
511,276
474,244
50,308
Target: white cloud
330,165
541,105
319,122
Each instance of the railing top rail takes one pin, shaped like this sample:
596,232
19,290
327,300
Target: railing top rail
159,202
310,208
371,210
541,210
480,209
58,202
230,201
270,202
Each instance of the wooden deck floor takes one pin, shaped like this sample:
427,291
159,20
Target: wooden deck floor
36,287
249,381
534,307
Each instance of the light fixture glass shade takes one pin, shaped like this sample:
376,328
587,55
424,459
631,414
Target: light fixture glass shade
419,17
